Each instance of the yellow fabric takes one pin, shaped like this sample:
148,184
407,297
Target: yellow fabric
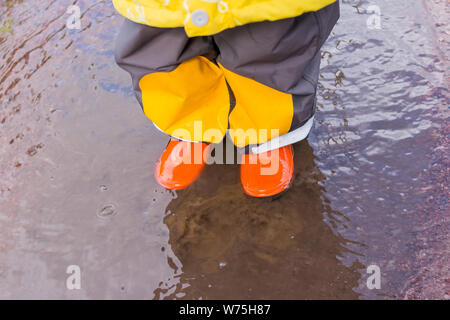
261,113
223,14
192,103
188,101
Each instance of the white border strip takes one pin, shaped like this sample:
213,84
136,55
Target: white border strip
289,138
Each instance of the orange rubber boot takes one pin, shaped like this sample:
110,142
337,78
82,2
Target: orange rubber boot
267,174
180,164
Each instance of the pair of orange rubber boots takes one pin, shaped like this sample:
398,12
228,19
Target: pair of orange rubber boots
173,172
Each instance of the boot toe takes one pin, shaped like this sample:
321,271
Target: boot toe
175,170
257,178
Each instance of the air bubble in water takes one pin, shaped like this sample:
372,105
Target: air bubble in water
107,211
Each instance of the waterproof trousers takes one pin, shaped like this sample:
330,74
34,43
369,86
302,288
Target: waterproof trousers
257,82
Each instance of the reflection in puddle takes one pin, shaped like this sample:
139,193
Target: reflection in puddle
233,246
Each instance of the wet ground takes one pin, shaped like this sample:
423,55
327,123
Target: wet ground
77,155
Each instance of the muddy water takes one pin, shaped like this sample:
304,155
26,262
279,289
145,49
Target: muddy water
77,154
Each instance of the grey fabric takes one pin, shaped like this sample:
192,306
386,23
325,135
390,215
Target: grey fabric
143,50
273,53
304,97
283,54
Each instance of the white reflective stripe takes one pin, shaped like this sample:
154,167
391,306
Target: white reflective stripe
173,137
286,139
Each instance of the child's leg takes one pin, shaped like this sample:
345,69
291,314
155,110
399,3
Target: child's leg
273,69
179,88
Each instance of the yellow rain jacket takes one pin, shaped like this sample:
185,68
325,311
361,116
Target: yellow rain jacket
208,17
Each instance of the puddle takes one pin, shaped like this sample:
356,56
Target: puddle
77,157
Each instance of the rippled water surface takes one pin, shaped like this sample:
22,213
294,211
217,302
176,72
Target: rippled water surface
77,156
